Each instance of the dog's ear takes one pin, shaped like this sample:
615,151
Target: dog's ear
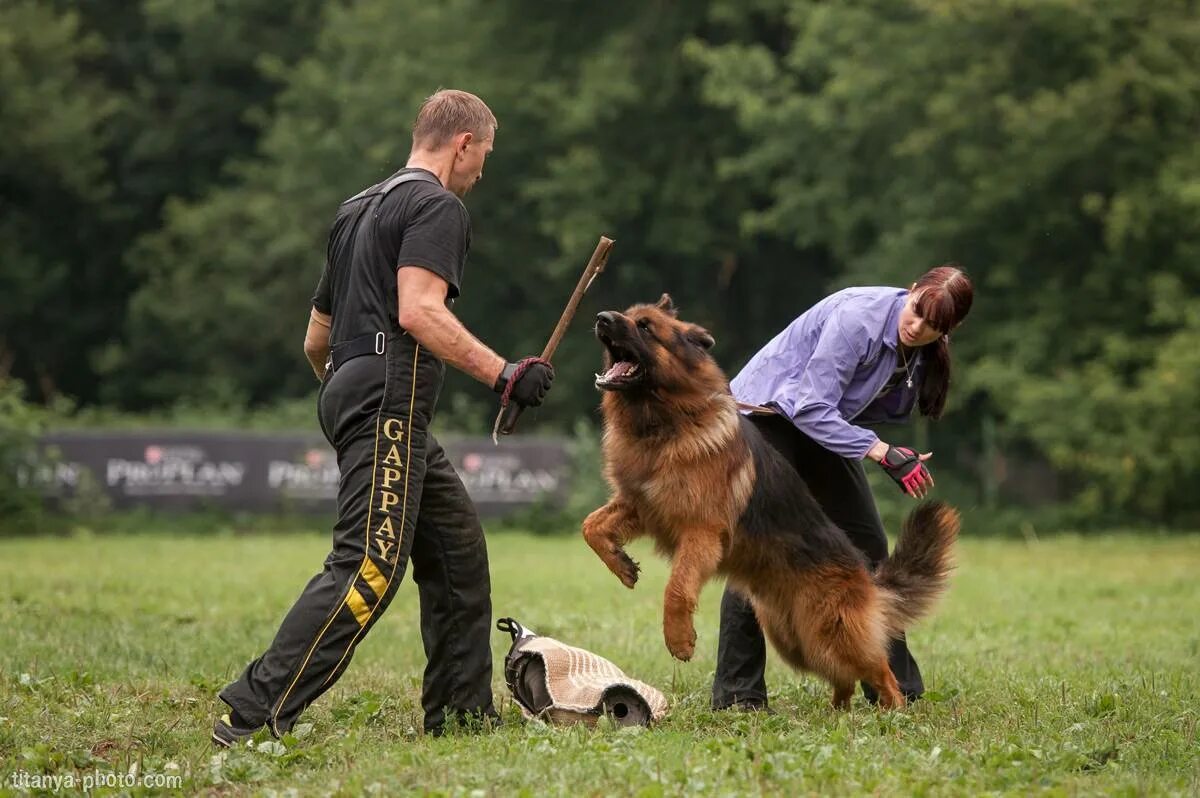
701,337
666,305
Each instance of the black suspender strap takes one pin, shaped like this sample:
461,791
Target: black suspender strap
382,189
374,343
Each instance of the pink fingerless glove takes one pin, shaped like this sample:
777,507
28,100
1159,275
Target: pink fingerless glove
906,469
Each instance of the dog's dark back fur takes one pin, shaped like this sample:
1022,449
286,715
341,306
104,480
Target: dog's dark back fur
784,517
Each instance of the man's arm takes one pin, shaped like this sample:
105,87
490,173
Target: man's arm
421,307
316,341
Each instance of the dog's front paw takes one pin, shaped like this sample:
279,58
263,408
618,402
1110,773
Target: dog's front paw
681,641
626,569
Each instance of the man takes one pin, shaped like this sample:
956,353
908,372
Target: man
380,334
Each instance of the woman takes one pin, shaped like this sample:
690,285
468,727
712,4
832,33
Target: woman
860,357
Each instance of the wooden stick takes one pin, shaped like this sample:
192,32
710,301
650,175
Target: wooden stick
506,419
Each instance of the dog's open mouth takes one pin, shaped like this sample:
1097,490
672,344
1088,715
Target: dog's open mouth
625,370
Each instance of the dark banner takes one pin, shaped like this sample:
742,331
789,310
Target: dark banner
276,472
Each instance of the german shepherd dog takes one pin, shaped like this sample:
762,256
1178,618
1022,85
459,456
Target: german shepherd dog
688,470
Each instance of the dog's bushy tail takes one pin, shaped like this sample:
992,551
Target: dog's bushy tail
917,572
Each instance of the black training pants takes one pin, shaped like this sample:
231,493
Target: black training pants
398,497
840,487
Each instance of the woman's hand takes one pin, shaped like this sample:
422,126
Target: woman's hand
906,468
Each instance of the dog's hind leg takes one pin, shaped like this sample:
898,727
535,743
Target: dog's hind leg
698,552
838,614
884,682
607,530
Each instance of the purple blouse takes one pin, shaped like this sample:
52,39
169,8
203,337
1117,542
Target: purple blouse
826,369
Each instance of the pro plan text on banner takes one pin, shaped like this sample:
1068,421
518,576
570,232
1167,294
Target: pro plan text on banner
175,470
309,476
276,472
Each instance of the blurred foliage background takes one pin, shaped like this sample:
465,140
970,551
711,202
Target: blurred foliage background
168,172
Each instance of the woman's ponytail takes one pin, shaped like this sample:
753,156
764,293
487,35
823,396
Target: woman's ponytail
935,385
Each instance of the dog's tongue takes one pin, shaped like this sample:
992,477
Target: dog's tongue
619,369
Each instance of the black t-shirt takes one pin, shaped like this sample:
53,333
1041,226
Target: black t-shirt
416,223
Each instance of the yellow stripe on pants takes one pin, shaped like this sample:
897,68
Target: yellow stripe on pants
374,577
358,606
357,602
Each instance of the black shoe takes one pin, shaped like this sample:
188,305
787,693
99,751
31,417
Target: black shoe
228,731
873,697
747,706
467,723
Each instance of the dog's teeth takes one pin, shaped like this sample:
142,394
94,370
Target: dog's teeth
633,370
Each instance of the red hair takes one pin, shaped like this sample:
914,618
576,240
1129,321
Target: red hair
942,297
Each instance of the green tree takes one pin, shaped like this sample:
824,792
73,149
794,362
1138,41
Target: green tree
52,178
1050,147
601,131
109,109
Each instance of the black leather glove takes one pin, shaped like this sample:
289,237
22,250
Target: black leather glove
525,382
905,467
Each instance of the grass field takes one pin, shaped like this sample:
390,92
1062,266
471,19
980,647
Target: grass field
1065,666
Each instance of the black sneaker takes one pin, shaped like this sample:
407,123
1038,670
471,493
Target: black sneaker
910,696
747,706
226,732
459,722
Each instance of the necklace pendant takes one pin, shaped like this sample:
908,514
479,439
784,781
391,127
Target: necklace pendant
909,382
